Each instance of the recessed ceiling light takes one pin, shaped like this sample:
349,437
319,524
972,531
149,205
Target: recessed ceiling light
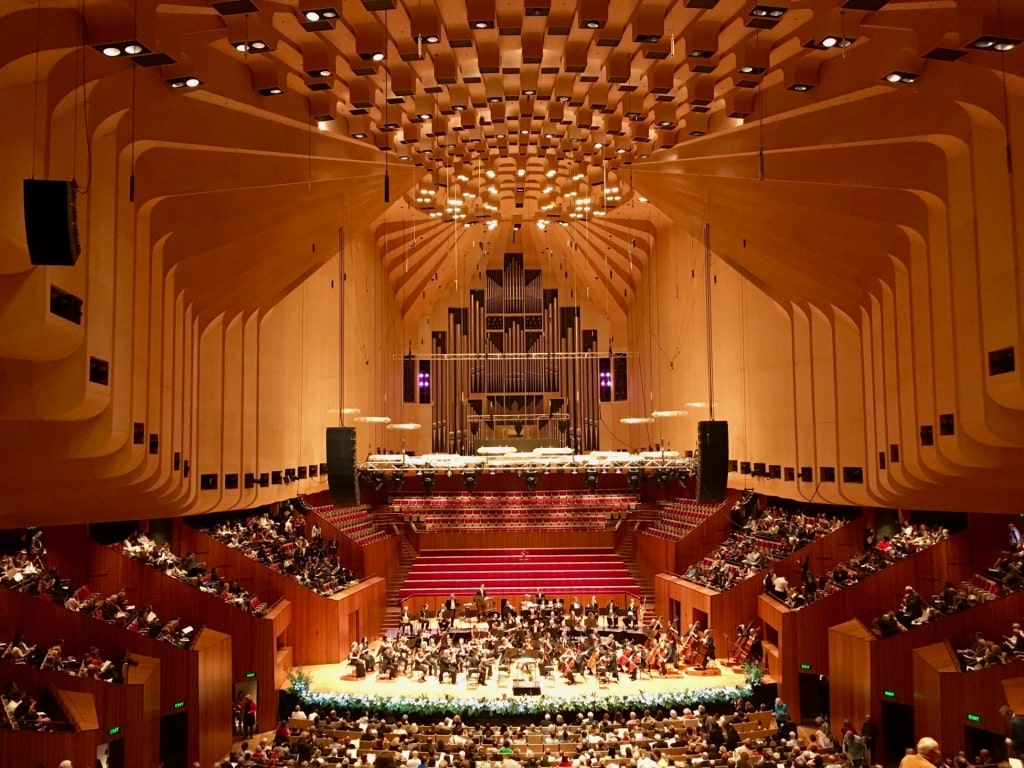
378,56
257,45
312,16
111,51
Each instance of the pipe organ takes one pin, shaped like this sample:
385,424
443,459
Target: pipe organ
508,368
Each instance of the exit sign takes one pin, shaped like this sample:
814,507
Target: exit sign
250,675
114,731
179,705
805,666
974,718
889,694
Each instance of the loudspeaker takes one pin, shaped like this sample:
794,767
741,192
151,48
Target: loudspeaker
713,467
525,688
341,465
51,223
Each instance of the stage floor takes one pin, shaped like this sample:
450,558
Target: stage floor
337,679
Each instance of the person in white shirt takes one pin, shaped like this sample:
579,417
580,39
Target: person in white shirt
298,714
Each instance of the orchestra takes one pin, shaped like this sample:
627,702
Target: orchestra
542,638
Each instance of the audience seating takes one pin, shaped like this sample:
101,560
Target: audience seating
515,510
679,517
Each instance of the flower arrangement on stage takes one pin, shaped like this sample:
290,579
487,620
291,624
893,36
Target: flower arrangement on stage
523,705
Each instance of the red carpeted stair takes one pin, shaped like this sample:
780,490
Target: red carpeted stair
507,572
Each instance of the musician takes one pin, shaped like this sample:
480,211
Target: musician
613,614
592,607
448,666
421,663
629,621
452,603
405,621
539,598
756,652
388,661
355,659
575,607
424,616
709,650
481,595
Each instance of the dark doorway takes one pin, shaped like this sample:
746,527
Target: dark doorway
174,740
897,731
814,697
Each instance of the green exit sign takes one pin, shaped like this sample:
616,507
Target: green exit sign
974,718
114,731
179,705
250,675
889,694
805,666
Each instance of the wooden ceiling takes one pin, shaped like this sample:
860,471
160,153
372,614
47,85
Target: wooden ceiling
500,115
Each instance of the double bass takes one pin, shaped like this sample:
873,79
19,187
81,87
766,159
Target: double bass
690,643
744,639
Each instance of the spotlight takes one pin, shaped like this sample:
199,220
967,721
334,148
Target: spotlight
271,91
377,56
378,481
470,480
531,480
990,43
633,478
398,480
800,87
251,46
832,41
591,479
184,82
125,48
428,482
901,77
749,70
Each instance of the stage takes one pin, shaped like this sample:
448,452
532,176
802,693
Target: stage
336,680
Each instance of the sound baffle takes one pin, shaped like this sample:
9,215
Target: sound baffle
341,465
713,466
51,222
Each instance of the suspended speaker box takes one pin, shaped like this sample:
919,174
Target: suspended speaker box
341,465
51,222
713,466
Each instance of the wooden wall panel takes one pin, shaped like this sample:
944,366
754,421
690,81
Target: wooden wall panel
866,600
891,659
179,669
319,624
937,690
435,602
852,662
256,639
116,705
654,554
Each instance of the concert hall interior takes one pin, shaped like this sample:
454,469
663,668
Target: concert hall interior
589,349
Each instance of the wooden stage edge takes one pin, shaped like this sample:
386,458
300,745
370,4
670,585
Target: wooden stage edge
336,679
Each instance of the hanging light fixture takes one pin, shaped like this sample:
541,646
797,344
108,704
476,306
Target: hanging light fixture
404,426
372,419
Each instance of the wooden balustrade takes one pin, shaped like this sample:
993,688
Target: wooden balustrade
94,708
321,626
867,670
724,611
789,629
201,676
